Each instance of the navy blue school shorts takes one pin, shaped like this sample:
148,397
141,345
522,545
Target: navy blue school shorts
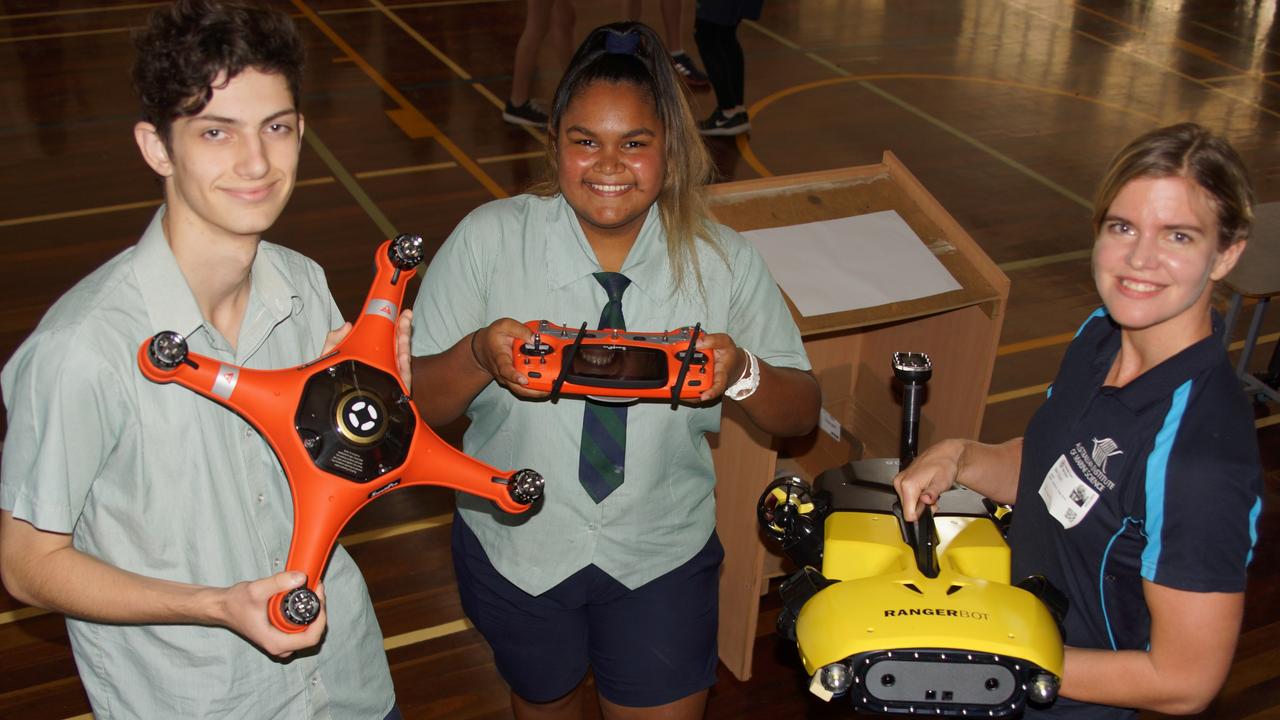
647,647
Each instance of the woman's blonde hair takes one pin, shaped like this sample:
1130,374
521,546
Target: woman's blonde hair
631,53
1189,151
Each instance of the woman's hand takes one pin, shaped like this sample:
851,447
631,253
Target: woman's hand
990,470
729,360
929,475
491,350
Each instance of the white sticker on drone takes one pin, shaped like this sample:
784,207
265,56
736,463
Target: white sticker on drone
381,308
225,382
1067,497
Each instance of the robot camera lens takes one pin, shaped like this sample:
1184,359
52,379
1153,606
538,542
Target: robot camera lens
1043,688
836,678
992,683
888,680
168,350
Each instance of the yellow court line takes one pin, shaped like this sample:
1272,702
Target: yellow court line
994,398
79,11
407,113
406,170
864,82
425,634
101,209
55,36
531,155
351,540
1035,262
449,63
140,6
309,182
411,6
312,182
23,613
408,30
1224,33
1121,48
1034,344
395,530
1184,45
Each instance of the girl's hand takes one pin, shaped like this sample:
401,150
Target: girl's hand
491,349
729,360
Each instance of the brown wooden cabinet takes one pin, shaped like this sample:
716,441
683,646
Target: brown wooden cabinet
850,352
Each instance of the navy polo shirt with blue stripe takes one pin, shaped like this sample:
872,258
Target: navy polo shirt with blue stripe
1159,480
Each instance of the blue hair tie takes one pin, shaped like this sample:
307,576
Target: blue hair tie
616,43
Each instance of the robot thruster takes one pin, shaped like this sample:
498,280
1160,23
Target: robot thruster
911,618
343,428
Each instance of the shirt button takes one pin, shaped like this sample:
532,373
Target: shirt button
248,432
315,681
261,498
277,562
592,527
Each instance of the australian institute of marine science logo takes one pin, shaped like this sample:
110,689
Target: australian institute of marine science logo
1093,463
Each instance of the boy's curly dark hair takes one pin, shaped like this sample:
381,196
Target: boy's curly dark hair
186,45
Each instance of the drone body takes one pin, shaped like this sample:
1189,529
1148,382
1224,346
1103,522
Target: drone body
343,427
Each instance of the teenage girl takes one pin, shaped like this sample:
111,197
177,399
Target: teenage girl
617,570
1138,484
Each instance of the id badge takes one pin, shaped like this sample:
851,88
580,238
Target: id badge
1067,497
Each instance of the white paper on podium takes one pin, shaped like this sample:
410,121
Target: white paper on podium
850,263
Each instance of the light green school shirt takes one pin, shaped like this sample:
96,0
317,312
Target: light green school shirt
527,258
157,480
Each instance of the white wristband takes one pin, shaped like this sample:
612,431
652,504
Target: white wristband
750,380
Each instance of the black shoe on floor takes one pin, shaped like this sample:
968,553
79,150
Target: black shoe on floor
528,114
689,72
722,126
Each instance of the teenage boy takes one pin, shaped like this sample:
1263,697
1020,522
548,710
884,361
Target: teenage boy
155,520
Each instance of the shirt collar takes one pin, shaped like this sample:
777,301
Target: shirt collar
168,299
1158,384
645,265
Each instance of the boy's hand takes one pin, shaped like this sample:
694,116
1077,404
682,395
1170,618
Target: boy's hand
244,611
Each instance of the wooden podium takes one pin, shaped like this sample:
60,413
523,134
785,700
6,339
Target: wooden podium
850,352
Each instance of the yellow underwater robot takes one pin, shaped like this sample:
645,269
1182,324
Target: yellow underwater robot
911,618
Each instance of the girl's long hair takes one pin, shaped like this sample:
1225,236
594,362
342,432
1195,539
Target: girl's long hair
632,53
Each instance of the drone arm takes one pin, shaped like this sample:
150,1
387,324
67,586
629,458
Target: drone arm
383,304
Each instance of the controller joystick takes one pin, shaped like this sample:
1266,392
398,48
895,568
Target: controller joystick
536,347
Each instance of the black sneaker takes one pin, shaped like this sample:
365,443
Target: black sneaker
692,76
527,114
720,125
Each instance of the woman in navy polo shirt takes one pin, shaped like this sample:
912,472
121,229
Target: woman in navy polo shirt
1138,484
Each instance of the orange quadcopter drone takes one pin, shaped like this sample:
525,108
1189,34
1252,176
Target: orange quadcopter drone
343,428
614,363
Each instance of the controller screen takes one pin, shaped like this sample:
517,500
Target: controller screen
619,366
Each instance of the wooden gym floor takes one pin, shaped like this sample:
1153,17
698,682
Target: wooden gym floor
1006,110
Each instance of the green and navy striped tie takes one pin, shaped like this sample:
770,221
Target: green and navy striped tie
604,425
